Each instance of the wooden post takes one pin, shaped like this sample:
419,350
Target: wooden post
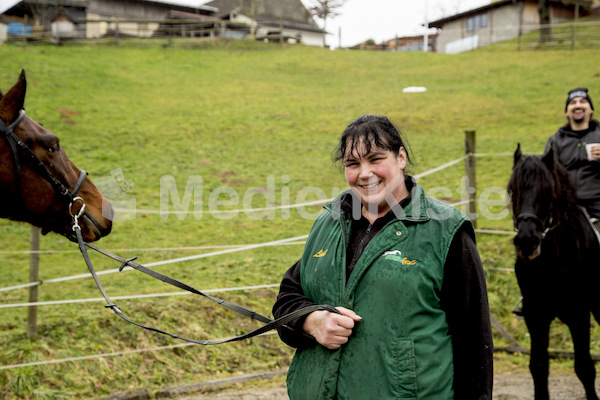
25,23
116,30
573,26
470,175
281,31
34,262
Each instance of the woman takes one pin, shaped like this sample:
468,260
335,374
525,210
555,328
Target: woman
404,273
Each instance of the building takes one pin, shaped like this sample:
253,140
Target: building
409,43
143,18
262,19
272,20
498,21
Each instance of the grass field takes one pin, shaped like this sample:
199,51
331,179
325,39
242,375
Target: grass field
258,122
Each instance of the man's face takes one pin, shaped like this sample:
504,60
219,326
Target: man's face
579,111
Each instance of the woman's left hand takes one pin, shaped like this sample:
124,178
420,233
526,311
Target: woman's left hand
331,330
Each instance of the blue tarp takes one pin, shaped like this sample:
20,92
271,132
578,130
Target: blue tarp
16,28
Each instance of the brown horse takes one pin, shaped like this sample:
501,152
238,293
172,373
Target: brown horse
37,179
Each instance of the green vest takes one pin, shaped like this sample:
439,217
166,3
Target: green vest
402,348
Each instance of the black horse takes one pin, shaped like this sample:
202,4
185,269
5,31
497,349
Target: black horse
557,264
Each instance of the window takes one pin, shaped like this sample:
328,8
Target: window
477,22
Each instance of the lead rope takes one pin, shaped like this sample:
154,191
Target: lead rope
269,323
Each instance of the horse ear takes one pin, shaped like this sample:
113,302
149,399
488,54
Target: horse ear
14,100
517,156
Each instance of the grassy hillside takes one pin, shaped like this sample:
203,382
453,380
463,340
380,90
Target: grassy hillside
258,122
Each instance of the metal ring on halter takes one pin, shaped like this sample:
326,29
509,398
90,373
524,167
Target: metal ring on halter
79,213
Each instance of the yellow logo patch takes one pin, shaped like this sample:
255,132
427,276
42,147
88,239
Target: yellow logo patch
396,255
321,253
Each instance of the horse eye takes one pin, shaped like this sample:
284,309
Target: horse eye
54,148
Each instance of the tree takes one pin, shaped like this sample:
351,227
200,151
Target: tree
248,7
324,9
544,13
40,10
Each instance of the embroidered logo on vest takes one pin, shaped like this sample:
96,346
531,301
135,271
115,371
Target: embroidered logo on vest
320,253
396,255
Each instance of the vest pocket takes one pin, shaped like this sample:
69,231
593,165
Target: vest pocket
405,386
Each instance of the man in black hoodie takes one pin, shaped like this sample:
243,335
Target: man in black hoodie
577,145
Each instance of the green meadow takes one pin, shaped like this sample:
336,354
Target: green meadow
210,127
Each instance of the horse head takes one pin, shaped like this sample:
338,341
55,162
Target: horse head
532,188
29,196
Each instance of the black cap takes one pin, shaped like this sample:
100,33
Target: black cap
579,92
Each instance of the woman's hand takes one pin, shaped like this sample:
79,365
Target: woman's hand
330,329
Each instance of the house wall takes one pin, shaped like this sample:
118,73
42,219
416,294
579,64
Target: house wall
3,32
307,38
124,9
63,28
312,39
503,24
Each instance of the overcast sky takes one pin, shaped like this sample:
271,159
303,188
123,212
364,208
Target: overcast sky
380,20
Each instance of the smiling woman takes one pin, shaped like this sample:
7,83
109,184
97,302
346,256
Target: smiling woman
405,276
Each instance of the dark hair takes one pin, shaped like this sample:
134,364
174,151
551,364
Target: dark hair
371,131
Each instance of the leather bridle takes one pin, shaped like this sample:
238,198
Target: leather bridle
545,226
20,149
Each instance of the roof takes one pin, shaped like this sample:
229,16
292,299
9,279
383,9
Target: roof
7,5
287,12
441,22
497,4
186,3
185,15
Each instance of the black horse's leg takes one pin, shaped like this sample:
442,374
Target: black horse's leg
539,364
584,365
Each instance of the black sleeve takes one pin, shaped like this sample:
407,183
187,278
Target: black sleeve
464,299
292,298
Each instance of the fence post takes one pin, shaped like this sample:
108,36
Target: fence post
573,26
470,181
34,262
116,31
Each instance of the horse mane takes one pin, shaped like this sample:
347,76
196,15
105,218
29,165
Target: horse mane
530,173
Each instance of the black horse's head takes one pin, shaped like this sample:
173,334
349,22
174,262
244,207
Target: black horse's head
534,187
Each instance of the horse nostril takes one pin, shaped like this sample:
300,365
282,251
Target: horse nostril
526,246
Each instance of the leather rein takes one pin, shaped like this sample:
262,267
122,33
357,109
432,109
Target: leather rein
19,148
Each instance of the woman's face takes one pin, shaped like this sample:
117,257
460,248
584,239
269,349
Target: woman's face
377,177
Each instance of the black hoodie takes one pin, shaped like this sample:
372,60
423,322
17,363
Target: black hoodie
569,145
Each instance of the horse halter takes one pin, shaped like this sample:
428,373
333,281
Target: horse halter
546,226
18,147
